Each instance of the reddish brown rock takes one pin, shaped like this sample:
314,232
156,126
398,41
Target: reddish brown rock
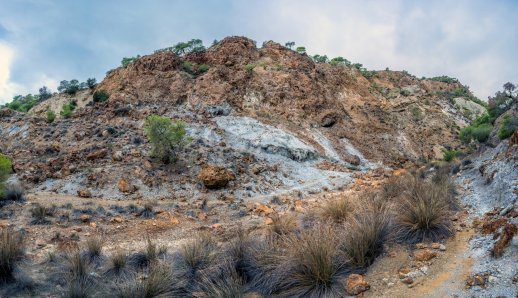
85,217
126,187
425,255
101,153
507,234
356,284
215,176
84,193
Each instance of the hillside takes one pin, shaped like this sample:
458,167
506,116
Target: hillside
297,179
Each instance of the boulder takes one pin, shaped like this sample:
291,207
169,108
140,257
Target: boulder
356,284
215,176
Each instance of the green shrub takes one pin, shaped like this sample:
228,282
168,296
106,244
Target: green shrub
128,60
449,155
69,87
445,79
187,67
249,67
6,167
67,109
405,92
51,116
479,130
301,50
508,126
339,61
167,138
203,68
101,96
481,133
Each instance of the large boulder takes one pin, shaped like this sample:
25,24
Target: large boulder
215,176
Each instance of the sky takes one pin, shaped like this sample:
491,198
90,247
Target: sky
43,42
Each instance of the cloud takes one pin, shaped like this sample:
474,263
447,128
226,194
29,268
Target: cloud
7,88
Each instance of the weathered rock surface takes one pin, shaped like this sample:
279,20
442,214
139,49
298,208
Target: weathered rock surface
215,176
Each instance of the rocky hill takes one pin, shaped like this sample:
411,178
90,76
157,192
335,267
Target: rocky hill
265,112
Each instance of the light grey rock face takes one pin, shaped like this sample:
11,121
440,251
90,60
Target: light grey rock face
250,133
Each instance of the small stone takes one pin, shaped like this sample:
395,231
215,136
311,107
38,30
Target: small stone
125,187
421,246
84,193
436,245
40,243
425,255
116,219
268,221
117,156
442,247
407,280
356,284
85,217
202,216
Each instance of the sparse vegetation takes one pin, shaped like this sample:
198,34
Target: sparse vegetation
128,60
101,96
11,252
249,67
423,211
337,210
508,126
67,109
445,79
449,155
39,215
51,116
301,50
6,167
94,247
167,138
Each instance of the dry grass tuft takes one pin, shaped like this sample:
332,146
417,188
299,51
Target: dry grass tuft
337,210
11,252
198,254
283,224
366,232
423,212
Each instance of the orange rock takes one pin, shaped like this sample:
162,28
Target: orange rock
215,176
425,255
436,245
263,209
356,284
85,217
216,226
93,225
202,216
125,187
84,193
399,172
268,221
117,219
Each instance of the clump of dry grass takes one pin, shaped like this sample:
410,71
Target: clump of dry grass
146,258
283,224
197,254
226,283
315,265
366,232
337,210
39,215
94,247
423,212
117,265
12,248
160,282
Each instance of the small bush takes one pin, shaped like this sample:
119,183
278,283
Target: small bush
167,138
70,87
147,212
145,259
128,60
423,212
11,252
5,169
203,68
226,283
51,116
91,83
187,67
508,126
67,109
101,96
449,155
366,232
479,133
315,265
160,282
337,210
94,247
197,255
14,192
283,224
39,215
249,67
118,264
